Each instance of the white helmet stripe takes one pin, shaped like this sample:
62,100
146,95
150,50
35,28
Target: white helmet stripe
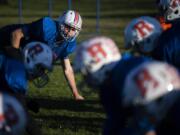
76,18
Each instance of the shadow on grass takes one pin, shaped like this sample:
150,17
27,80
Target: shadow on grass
69,104
81,115
73,123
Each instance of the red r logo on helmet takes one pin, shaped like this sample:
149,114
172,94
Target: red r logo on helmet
97,52
145,81
143,29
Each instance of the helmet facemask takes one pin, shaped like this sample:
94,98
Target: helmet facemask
65,35
96,79
39,76
170,9
38,59
173,12
148,45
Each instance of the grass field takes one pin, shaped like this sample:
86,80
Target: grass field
59,113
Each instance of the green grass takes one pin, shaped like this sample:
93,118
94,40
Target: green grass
59,113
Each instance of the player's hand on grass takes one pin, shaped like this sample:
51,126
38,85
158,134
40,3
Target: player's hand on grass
151,133
79,97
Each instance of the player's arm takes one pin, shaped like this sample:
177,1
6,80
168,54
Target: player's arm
26,31
16,37
30,30
69,74
13,50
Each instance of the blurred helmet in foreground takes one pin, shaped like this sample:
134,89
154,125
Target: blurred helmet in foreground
170,9
95,58
71,19
38,58
12,116
142,34
155,85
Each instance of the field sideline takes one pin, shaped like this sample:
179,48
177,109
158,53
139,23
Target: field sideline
59,113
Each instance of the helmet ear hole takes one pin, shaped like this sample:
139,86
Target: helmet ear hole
176,12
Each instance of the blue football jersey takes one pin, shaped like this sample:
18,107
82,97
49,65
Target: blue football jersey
111,95
168,48
13,76
47,30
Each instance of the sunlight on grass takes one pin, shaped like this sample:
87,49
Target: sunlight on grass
59,113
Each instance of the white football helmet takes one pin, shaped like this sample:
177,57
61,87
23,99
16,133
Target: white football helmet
95,58
12,116
155,85
170,9
142,34
38,57
71,19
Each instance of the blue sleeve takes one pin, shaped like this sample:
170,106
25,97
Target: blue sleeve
50,31
44,30
172,53
15,76
70,49
169,48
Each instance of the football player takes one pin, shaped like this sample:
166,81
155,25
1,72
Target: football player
15,74
171,38
152,95
169,9
60,35
144,35
130,87
103,67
